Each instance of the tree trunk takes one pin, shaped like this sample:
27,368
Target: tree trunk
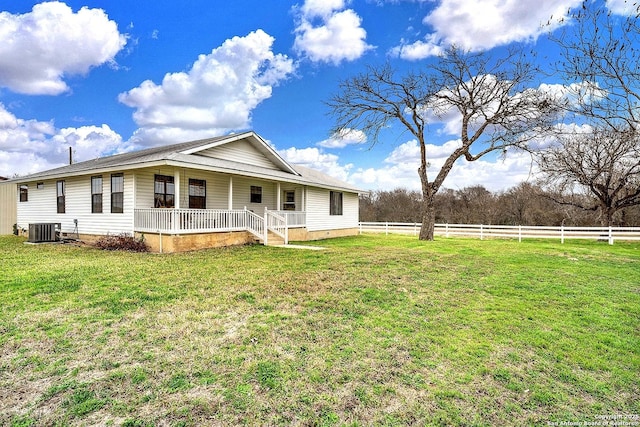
607,218
428,219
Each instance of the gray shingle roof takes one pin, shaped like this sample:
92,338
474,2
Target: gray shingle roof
173,155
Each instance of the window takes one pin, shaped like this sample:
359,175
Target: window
60,196
164,192
335,203
24,193
197,194
117,193
96,194
289,201
256,194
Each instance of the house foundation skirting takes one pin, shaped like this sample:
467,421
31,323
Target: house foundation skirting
302,234
192,242
168,243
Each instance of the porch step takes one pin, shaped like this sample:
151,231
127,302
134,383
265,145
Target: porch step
273,239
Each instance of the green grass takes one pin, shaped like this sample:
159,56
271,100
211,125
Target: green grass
374,330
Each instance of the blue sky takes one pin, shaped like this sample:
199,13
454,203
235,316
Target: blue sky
107,76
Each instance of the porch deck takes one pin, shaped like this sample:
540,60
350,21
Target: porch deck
185,221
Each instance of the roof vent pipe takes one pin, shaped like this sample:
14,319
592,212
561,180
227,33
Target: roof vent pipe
70,156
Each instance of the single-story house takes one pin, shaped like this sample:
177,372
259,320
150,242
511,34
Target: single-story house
214,192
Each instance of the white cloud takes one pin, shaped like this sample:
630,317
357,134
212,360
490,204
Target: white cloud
400,169
315,158
326,33
215,96
622,7
28,146
418,49
324,8
344,138
575,93
478,25
88,142
39,48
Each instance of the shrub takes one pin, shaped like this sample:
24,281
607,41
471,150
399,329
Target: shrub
122,242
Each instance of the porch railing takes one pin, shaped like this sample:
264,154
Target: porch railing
294,218
255,224
155,220
189,220
276,224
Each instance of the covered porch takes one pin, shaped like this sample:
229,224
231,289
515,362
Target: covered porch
187,202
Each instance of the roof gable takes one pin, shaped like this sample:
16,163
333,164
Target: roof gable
247,148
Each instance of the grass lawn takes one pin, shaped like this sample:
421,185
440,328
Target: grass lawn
374,330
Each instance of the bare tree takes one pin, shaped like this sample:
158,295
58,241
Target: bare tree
603,164
398,205
600,63
491,98
597,164
528,204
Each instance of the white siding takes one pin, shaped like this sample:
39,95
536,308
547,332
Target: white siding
241,151
217,187
8,198
145,185
318,217
42,206
242,194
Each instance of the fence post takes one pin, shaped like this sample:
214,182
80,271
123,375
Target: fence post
481,233
562,233
446,230
519,234
610,235
386,228
415,228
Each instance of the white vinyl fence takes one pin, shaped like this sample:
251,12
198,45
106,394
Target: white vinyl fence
609,234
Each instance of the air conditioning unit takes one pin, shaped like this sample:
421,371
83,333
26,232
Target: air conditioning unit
44,232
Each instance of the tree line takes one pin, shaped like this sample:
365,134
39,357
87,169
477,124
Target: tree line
527,204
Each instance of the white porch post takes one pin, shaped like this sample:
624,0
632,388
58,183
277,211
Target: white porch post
266,225
176,183
278,197
230,205
303,207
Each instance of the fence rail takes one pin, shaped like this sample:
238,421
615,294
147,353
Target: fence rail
609,234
